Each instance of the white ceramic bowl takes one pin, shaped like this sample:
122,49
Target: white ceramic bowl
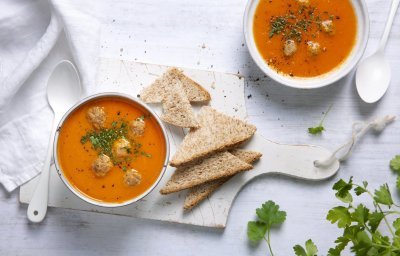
318,81
76,191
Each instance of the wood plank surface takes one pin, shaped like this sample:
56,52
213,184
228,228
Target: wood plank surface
174,32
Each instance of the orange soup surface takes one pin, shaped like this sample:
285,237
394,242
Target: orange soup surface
110,163
305,38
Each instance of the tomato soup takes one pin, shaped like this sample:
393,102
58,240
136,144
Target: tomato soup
111,149
305,38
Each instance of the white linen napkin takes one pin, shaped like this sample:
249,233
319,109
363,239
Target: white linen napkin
34,36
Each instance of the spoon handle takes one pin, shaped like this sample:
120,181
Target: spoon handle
392,14
37,208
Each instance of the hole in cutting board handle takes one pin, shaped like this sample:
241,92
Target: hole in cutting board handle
35,212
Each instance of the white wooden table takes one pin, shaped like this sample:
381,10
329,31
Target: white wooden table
208,35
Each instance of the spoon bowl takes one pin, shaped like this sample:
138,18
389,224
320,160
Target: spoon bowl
63,90
373,77
373,74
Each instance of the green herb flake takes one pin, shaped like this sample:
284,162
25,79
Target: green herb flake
316,130
103,139
277,26
146,154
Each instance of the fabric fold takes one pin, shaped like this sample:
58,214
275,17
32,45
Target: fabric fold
46,33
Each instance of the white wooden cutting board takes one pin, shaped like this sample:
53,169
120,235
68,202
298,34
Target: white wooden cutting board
227,91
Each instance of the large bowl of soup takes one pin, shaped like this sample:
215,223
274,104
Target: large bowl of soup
111,149
306,43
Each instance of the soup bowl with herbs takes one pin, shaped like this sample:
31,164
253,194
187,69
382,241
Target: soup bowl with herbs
111,149
306,43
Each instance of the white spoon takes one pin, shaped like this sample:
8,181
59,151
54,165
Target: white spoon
373,74
63,90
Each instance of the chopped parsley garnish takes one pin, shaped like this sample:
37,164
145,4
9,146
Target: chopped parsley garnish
294,34
293,23
277,26
103,140
303,24
145,154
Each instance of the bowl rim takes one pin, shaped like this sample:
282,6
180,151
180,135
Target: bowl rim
322,80
81,102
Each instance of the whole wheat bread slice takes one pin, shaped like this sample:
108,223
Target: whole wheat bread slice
156,92
202,191
218,132
177,109
247,156
217,166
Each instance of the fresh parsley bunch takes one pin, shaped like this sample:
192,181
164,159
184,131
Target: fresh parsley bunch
360,224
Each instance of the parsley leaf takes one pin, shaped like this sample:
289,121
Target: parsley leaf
360,214
341,243
343,190
374,220
299,251
383,196
339,214
310,249
269,214
398,183
395,164
396,225
361,190
256,230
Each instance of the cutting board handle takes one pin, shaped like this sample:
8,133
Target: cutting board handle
290,160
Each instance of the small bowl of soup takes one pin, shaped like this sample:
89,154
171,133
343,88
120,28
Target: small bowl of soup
111,149
306,43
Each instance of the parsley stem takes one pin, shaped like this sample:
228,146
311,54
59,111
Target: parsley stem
381,245
386,221
268,240
376,204
391,212
326,113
